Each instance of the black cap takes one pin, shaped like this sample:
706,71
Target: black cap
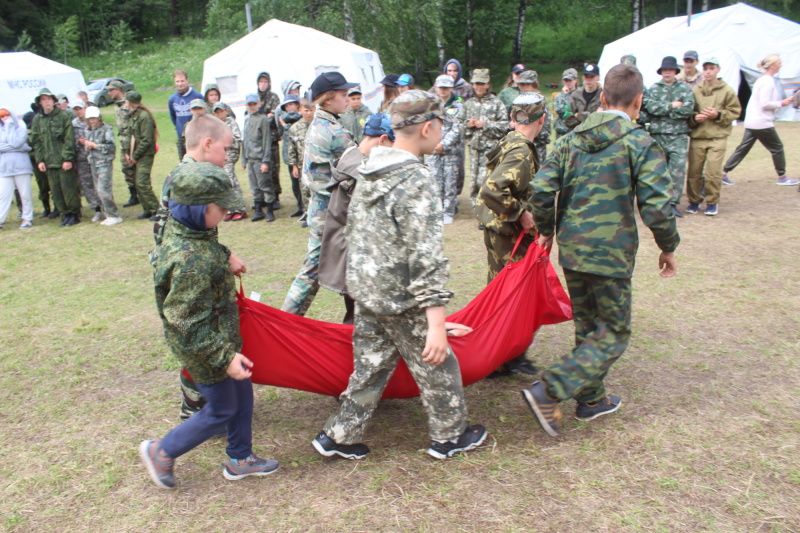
519,67
390,80
669,62
329,81
591,69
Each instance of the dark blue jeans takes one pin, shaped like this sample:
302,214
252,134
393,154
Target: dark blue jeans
229,404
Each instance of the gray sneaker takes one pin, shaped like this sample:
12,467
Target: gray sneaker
590,411
158,464
236,469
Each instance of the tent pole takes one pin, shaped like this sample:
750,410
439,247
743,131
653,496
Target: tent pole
249,17
688,12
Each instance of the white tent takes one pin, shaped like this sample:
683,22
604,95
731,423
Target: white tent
23,75
738,35
290,52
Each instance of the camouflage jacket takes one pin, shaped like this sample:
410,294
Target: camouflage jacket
601,172
658,111
196,300
143,134
353,121
52,138
162,215
232,154
104,138
79,127
503,197
492,112
508,95
257,138
326,141
395,236
269,105
123,116
561,108
577,110
721,97
296,143
453,128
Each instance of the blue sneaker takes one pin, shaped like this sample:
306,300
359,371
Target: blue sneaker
711,210
691,209
727,181
236,469
786,180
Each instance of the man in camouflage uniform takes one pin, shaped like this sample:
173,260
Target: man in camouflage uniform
53,142
586,100
485,123
595,225
356,115
115,90
667,106
446,158
400,290
561,104
690,75
269,104
529,83
82,168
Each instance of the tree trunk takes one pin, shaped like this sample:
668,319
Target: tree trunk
643,17
636,16
172,20
469,37
704,6
439,35
349,34
517,54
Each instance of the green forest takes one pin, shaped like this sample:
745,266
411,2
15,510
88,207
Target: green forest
412,37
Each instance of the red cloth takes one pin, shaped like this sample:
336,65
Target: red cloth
299,353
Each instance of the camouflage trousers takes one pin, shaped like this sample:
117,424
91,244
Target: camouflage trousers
477,172
601,307
64,189
86,183
499,248
306,284
261,186
129,171
191,398
705,169
102,172
42,183
230,170
275,168
378,344
462,156
677,149
144,186
445,171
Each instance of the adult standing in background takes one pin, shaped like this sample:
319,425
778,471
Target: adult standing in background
122,113
586,100
180,106
460,88
690,75
142,151
759,122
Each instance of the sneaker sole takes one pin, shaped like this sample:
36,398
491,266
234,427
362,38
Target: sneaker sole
787,184
599,414
145,455
539,415
436,455
230,476
330,453
712,214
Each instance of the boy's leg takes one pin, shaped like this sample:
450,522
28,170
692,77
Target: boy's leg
297,191
265,183
24,189
84,171
6,198
462,157
144,188
240,427
375,358
748,140
275,168
694,181
102,173
713,170
43,185
69,191
607,301
305,285
54,182
676,148
477,167
252,179
450,165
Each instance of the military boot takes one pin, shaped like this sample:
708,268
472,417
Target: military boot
270,214
46,212
54,213
134,198
259,212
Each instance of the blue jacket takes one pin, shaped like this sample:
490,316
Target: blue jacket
179,110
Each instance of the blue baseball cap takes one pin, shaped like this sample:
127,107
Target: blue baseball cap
251,99
404,80
288,99
377,125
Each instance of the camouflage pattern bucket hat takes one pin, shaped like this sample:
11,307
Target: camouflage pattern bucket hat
528,107
443,80
415,107
206,187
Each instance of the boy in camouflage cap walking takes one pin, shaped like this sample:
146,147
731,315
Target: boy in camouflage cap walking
446,159
396,272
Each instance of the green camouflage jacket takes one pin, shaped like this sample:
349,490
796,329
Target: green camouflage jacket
123,116
104,138
232,154
503,197
395,236
52,138
79,129
142,131
196,300
453,127
326,141
508,95
162,215
492,112
296,142
658,111
721,97
576,110
257,138
353,121
601,172
561,108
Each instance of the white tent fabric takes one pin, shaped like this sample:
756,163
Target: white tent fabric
739,36
23,75
290,52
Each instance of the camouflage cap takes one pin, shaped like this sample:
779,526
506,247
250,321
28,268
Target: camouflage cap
115,84
354,90
570,74
528,107
415,107
210,184
221,105
198,103
480,75
44,91
529,76
133,97
444,80
628,59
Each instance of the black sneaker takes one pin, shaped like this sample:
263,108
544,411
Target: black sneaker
158,465
472,437
522,366
546,409
145,216
236,469
590,411
327,447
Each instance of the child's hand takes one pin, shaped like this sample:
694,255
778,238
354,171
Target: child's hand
668,264
295,172
456,330
237,371
237,265
264,168
435,351
244,166
546,242
526,220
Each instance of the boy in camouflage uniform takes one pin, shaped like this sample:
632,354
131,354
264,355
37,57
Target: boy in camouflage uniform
599,173
290,114
123,115
396,272
100,145
448,154
529,83
586,100
485,123
268,105
561,104
257,159
82,168
356,115
667,106
296,144
222,111
196,300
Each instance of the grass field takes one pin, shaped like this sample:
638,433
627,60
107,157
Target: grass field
708,438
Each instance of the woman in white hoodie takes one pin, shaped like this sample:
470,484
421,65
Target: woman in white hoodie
15,167
759,122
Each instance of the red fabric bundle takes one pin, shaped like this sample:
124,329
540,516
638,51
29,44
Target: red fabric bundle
299,353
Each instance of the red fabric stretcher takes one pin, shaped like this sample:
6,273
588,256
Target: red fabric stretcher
299,353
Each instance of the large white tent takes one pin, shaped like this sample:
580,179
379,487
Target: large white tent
739,36
23,75
290,52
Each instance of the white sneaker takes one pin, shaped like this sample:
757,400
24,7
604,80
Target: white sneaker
112,221
98,216
448,219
